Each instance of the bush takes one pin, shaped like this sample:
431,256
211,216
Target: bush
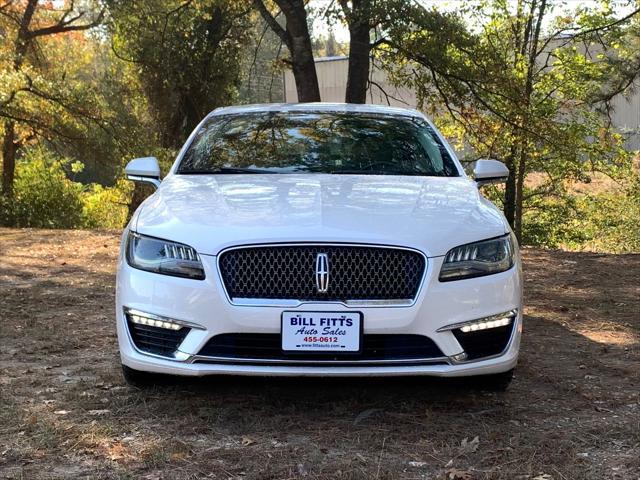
603,222
43,195
106,207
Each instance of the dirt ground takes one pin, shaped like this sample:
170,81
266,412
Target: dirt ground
573,411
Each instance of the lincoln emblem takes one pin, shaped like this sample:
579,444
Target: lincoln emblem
322,272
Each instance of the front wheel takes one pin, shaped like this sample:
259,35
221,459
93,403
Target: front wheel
140,379
497,382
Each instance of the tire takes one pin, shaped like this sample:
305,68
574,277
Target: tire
497,382
140,379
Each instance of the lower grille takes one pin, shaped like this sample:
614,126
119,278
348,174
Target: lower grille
267,346
159,341
484,343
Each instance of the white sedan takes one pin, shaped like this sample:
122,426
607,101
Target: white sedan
318,240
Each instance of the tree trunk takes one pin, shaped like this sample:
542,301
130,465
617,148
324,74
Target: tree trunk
530,44
9,143
304,73
510,189
522,172
299,44
359,51
358,14
9,149
297,39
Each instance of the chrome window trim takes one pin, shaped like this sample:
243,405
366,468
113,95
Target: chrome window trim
289,303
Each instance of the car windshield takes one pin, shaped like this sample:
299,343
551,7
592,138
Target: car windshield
338,143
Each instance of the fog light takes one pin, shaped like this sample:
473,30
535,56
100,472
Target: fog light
494,321
460,357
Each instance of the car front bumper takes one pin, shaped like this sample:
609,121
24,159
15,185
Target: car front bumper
204,303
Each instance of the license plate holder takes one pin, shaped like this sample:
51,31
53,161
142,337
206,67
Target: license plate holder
336,332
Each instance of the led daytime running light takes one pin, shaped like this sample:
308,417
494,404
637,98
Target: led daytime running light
140,320
493,321
501,322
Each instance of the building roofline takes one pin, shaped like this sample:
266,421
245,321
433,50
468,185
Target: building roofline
334,58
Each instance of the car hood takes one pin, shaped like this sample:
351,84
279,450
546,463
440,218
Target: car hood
212,212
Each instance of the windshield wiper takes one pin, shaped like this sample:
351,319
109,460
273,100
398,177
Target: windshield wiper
223,170
377,172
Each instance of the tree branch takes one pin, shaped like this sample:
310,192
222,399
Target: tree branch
64,25
272,22
5,11
601,28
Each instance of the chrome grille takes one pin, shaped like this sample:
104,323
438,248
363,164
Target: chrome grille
288,272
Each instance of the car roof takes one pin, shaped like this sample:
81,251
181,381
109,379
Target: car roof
317,107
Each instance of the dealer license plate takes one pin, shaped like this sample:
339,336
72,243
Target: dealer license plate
330,332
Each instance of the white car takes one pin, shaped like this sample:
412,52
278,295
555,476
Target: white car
318,240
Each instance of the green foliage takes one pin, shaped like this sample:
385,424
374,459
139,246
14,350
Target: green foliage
138,84
44,196
106,207
187,56
503,86
606,222
262,67
124,128
552,222
44,91
70,91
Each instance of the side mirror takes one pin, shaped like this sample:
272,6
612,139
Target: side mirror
144,170
490,171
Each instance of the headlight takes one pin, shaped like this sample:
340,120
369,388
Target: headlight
161,256
478,259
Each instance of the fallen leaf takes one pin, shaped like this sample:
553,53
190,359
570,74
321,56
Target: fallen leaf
455,474
360,457
467,446
61,412
302,470
178,456
103,411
